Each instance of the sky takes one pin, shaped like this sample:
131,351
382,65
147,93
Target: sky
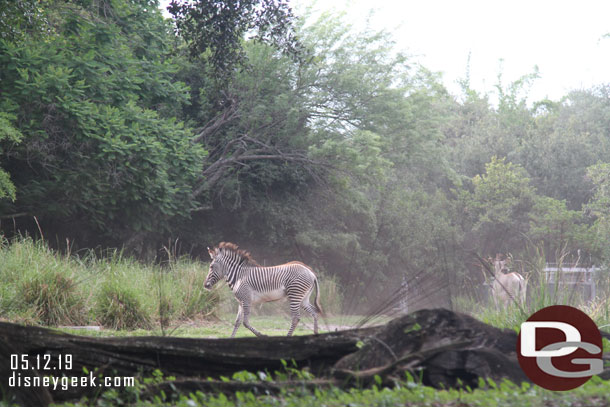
564,39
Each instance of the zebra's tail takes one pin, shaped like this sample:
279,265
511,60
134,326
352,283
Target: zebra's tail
317,298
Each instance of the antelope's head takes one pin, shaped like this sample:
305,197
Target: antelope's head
501,264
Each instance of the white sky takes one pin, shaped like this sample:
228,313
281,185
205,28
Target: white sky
563,38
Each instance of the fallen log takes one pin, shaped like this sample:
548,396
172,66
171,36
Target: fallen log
442,347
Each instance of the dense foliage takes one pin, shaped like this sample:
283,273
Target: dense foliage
294,137
90,102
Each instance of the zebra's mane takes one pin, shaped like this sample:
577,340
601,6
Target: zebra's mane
243,254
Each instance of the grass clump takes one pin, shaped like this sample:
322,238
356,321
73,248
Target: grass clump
123,295
38,286
55,299
119,306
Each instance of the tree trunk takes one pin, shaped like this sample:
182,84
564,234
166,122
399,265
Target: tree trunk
180,357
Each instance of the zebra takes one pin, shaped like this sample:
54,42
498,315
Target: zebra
252,283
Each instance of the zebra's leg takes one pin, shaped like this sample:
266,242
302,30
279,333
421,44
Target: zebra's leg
247,320
312,311
295,312
238,320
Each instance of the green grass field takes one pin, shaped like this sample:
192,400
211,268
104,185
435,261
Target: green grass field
271,325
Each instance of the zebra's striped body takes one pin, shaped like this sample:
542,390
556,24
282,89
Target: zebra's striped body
252,284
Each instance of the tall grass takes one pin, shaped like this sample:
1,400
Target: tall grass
331,297
41,286
184,280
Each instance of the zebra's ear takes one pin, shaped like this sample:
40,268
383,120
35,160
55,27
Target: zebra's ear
211,252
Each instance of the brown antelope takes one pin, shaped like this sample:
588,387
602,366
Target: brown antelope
507,287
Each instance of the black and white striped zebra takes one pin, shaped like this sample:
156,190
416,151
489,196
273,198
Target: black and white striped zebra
252,283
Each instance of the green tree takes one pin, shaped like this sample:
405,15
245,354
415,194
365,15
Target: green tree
100,158
22,18
559,229
216,28
9,136
599,207
478,130
570,136
499,206
309,155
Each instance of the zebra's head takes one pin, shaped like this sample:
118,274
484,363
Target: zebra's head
227,259
217,271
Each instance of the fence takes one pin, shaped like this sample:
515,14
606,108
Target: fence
573,278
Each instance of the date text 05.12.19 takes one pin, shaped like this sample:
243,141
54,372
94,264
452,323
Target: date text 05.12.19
44,362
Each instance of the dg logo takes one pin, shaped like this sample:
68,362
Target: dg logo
560,348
